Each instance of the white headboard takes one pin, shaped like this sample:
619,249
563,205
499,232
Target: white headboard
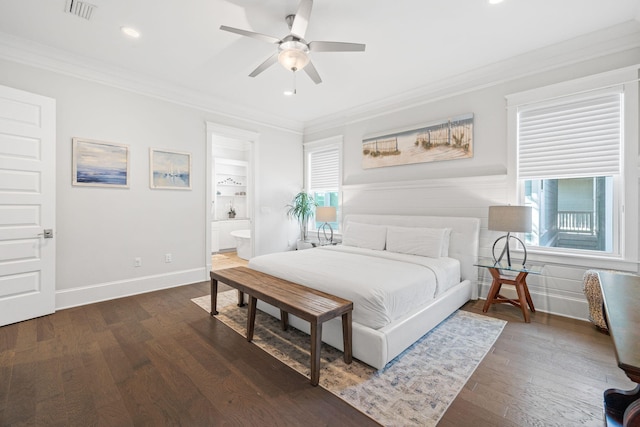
463,244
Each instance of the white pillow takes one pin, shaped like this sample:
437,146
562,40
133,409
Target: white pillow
367,236
445,243
427,242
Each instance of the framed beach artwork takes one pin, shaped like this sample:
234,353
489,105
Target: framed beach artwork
100,164
448,139
170,170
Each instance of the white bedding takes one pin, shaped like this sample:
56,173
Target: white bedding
382,285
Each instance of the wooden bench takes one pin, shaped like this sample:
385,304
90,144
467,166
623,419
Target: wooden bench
314,306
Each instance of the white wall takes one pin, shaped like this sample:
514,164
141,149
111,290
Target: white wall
100,231
467,187
276,187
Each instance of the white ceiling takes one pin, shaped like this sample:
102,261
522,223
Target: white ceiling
410,44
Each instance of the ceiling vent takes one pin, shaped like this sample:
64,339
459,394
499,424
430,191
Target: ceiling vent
80,8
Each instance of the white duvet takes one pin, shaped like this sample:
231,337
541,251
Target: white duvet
382,285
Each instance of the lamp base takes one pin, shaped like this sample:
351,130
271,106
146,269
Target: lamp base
506,251
323,228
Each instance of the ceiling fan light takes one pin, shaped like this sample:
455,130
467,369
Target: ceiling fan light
293,59
131,32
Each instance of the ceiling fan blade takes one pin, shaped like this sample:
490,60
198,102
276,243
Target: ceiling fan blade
336,47
313,73
266,64
263,37
301,21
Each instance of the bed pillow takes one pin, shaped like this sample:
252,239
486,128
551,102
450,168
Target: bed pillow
445,243
428,242
367,236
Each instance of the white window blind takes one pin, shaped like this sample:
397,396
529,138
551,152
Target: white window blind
579,138
324,168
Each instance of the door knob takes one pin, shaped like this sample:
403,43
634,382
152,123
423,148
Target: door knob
47,233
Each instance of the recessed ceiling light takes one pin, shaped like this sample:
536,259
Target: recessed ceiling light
130,32
495,1
289,92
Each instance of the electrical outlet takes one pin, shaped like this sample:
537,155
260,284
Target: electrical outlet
137,262
168,258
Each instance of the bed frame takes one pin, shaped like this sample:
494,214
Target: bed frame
379,347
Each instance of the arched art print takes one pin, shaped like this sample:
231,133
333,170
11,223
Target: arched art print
449,139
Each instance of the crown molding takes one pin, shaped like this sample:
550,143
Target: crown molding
619,38
609,41
63,62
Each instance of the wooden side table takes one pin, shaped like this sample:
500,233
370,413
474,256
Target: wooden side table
524,301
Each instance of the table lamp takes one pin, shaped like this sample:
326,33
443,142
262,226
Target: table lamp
512,219
325,214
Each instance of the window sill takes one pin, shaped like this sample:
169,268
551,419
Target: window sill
608,262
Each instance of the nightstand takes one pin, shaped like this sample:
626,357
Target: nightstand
497,271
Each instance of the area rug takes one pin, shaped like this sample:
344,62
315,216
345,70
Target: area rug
415,388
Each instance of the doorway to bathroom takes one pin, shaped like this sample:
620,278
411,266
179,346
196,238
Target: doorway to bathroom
230,192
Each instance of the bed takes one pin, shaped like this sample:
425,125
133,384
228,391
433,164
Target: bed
404,274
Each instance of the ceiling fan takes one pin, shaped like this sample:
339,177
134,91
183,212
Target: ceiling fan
293,50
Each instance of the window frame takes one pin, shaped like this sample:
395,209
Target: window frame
542,109
625,221
311,147
616,213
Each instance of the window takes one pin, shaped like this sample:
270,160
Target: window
569,170
323,174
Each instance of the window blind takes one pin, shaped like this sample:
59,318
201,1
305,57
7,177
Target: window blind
324,169
580,138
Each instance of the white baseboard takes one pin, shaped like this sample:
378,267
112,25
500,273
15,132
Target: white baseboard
548,303
74,297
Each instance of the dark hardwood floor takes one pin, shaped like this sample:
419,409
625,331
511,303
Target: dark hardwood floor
158,359
154,359
550,372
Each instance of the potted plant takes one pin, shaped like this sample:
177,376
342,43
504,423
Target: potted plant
302,208
232,212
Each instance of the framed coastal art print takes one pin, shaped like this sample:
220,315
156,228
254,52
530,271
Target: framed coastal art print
100,164
447,139
170,169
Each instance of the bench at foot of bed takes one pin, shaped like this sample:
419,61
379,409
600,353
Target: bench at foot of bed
314,306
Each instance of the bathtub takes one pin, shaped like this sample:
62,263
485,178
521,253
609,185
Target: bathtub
243,243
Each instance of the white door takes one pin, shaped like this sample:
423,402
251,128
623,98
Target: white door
27,205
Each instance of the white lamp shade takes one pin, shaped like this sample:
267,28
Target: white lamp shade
515,219
293,59
325,214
